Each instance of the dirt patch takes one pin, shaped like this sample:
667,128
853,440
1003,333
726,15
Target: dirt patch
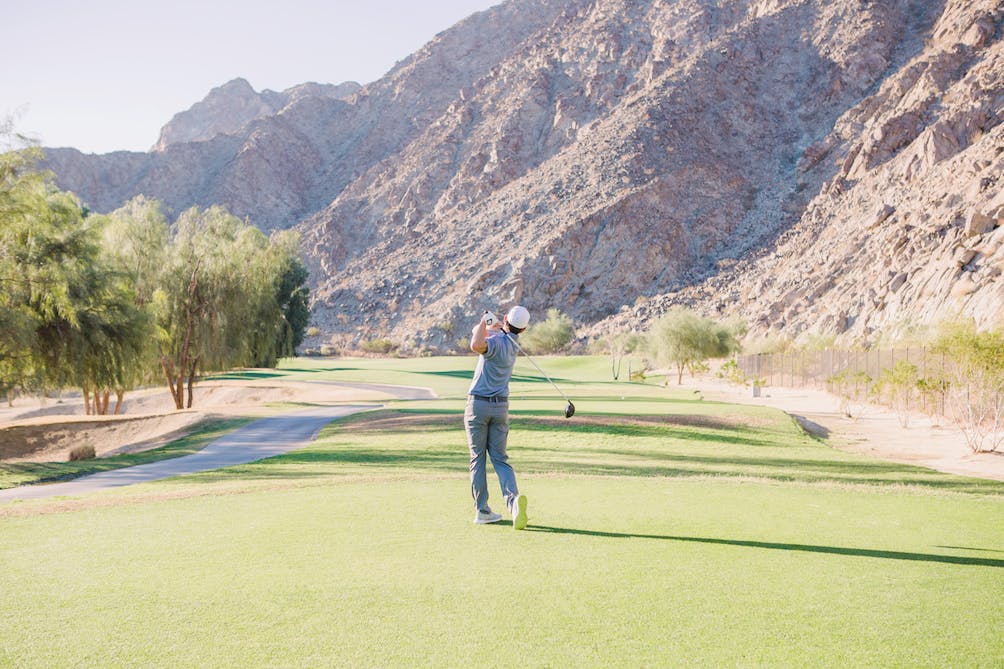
45,431
51,441
874,431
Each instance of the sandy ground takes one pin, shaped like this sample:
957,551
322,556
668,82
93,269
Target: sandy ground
36,430
875,431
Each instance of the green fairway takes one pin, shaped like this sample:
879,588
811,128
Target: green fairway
664,531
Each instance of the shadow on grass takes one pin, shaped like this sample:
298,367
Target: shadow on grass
808,548
788,464
666,430
313,463
970,548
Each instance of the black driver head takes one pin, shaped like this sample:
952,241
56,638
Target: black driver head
569,410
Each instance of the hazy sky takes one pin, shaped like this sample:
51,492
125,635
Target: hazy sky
105,75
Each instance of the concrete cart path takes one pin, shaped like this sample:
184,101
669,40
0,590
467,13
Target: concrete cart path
260,439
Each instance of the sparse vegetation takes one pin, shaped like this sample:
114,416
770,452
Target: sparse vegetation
974,381
852,387
899,385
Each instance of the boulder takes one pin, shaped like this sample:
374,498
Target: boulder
979,224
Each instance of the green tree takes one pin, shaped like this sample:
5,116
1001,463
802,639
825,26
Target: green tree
291,298
22,200
95,337
216,307
684,340
549,336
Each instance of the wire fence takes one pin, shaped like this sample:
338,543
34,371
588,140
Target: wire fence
966,392
857,375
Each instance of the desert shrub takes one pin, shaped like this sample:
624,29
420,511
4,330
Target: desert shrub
899,384
766,344
378,345
818,341
549,336
85,452
731,372
851,386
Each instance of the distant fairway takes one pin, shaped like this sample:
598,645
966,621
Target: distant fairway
664,531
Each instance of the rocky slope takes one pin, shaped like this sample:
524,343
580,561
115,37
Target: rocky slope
806,164
905,225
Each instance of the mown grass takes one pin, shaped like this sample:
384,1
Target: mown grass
14,474
664,531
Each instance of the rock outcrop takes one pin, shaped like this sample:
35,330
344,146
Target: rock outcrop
806,164
233,105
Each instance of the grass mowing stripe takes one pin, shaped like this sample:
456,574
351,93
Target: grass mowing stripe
376,575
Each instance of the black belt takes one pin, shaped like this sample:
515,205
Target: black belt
493,398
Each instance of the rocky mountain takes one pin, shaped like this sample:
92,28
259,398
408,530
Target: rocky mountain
904,224
278,170
806,164
233,105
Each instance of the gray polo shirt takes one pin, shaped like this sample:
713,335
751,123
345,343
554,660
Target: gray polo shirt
491,377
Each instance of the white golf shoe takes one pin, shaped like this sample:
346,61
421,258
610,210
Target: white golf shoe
485,517
519,513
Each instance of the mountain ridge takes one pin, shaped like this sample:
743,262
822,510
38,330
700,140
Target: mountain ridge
615,158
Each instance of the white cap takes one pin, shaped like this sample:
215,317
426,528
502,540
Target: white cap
518,317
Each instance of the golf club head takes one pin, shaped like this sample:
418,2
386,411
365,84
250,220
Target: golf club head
569,410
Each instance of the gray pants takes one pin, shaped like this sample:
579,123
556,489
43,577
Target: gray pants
487,427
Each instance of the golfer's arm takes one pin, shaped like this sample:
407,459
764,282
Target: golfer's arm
479,338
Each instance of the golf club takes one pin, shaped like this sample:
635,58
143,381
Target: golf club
569,408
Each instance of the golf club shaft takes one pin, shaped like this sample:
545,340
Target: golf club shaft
542,373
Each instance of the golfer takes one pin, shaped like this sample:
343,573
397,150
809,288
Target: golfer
486,419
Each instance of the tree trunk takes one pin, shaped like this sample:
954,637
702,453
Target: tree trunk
87,400
679,375
191,380
119,394
104,402
174,381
